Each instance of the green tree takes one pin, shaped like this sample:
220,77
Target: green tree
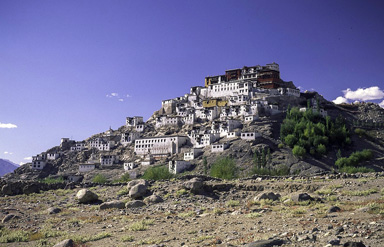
224,168
321,149
157,173
299,151
290,140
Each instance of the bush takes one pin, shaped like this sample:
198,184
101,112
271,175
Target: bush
298,151
224,168
321,149
100,179
280,171
360,132
50,180
124,178
157,173
290,140
351,169
354,159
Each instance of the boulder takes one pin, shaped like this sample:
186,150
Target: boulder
195,185
266,243
112,204
136,182
153,199
135,204
9,217
53,210
31,188
138,191
334,209
65,243
267,196
301,197
354,244
86,196
7,189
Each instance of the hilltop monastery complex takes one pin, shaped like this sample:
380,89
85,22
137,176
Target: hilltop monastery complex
216,113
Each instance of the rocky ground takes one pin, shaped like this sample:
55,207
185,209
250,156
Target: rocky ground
327,210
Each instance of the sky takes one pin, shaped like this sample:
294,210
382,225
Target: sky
75,68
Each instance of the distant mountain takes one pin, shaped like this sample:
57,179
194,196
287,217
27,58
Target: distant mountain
7,166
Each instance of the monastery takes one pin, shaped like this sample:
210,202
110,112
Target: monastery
216,113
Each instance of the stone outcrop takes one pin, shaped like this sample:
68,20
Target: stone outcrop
112,204
86,196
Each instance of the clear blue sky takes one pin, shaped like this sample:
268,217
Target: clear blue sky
60,59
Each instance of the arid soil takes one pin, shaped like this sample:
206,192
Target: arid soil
227,214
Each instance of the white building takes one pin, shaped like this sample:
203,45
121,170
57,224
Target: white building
108,160
52,156
133,121
219,147
129,166
178,166
86,167
38,164
148,160
192,153
233,134
251,118
79,146
102,144
139,127
161,145
168,121
128,138
249,136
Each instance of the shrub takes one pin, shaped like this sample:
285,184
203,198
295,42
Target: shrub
224,168
7,236
50,180
354,159
157,173
360,132
290,140
127,238
352,170
100,179
232,203
321,149
125,178
280,171
281,145
298,151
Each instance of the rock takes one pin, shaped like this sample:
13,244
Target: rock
363,209
86,196
65,243
112,204
31,188
136,182
153,199
354,244
9,217
339,230
266,243
301,197
334,242
195,185
267,195
7,189
334,209
138,191
53,210
135,204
